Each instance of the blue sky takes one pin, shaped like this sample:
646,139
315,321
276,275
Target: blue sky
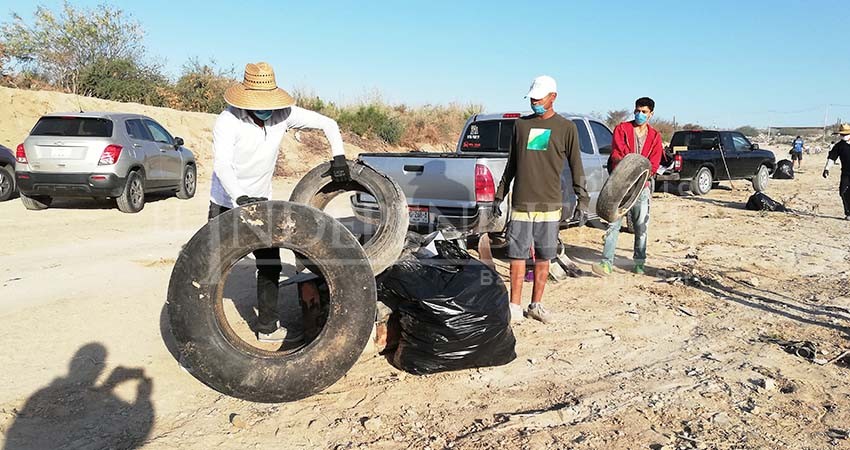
721,63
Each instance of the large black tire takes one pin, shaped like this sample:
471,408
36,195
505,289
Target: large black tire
761,179
622,187
384,248
702,182
7,183
36,202
132,200
209,348
189,183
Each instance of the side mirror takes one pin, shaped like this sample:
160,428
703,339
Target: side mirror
178,142
755,147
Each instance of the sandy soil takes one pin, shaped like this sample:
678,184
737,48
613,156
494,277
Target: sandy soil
679,358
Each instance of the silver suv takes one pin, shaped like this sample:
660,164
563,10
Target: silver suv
102,155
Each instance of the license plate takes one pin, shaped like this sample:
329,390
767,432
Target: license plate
61,153
418,214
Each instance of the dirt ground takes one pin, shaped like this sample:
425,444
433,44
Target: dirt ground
680,358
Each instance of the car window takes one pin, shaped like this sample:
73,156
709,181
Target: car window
488,136
740,142
604,137
73,126
159,134
136,130
696,140
583,137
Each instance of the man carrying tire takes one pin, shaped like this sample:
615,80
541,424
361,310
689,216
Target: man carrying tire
635,136
841,150
541,144
246,144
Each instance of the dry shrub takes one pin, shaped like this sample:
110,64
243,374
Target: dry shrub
434,124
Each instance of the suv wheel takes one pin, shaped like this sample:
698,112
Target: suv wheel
7,183
36,202
761,179
702,182
132,200
189,183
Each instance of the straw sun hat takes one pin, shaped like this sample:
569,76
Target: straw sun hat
258,90
844,129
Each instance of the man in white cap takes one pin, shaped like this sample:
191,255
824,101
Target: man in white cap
841,150
542,142
246,144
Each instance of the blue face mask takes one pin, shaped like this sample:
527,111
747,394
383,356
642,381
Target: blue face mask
640,118
263,115
538,109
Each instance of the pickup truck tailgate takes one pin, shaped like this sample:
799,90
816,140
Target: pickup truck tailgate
429,179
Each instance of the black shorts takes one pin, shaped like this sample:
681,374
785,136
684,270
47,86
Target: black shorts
796,156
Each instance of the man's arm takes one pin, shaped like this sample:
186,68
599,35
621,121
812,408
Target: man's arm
301,118
510,169
656,149
833,153
618,147
577,169
830,160
224,141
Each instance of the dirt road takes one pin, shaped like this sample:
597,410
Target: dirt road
678,358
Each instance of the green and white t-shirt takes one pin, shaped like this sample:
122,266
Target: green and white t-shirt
538,151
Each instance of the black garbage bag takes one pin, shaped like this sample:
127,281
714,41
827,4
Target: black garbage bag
452,313
761,202
784,170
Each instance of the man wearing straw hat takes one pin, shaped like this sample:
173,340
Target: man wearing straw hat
841,150
246,144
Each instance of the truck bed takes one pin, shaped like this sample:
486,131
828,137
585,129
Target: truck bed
442,180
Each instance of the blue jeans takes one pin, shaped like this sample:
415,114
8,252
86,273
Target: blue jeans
640,220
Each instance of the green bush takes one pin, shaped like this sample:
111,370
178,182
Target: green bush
201,88
372,119
60,45
121,80
309,100
391,130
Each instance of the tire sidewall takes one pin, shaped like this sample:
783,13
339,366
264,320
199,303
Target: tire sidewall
632,170
36,203
761,180
125,203
185,193
210,352
384,248
8,173
697,187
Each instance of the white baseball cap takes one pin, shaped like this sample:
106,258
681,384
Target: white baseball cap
541,87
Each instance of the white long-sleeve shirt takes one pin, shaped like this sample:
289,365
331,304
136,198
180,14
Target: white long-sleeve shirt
245,154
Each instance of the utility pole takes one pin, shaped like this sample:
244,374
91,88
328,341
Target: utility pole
769,121
825,119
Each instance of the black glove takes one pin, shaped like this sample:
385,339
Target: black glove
339,170
826,174
245,200
497,208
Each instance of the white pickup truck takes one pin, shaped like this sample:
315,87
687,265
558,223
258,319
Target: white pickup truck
455,191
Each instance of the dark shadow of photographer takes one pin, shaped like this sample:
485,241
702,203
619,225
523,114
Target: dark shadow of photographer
74,412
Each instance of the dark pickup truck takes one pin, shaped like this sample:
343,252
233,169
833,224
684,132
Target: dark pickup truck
702,157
